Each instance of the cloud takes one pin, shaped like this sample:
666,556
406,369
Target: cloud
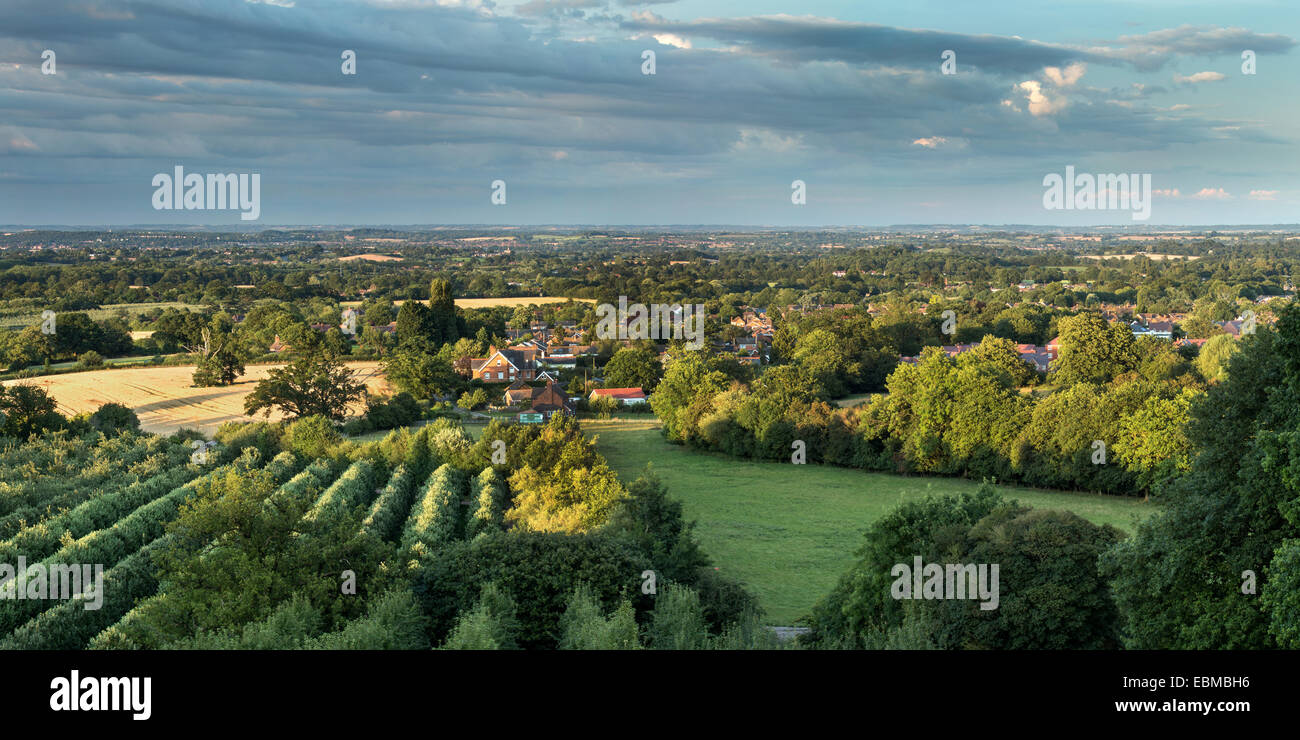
558,7
672,39
1212,194
1263,195
1072,74
1168,193
448,93
768,141
1199,77
809,38
1153,50
1040,104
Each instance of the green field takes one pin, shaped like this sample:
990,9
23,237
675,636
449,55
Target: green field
789,531
22,320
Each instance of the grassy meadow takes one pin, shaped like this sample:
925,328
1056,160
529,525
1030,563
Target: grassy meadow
789,531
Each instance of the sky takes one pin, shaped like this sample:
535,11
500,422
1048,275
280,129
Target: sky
550,98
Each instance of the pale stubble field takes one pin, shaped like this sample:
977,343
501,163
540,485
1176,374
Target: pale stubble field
163,397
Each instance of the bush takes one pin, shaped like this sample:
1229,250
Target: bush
398,411
490,497
493,624
90,358
538,570
390,508
352,489
583,625
39,540
435,521
112,418
312,436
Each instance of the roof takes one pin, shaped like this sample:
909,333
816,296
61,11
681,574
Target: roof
550,399
618,393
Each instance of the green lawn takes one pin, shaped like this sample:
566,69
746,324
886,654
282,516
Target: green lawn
789,531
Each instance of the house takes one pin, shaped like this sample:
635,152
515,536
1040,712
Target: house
550,401
1152,331
505,365
629,396
518,392
1231,327
531,345
548,376
502,366
1040,359
278,345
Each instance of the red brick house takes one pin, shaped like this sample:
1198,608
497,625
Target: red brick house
505,366
550,401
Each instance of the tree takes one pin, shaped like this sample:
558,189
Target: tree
415,328
421,374
1153,439
1181,581
564,484
220,360
690,376
112,418
655,521
678,620
603,406
471,400
632,367
1212,362
1050,594
90,358
1093,350
1003,356
442,313
583,626
27,410
313,384
493,624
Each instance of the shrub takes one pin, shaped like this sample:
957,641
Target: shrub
312,436
112,418
90,358
435,521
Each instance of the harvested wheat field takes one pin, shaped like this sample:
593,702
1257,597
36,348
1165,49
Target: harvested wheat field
162,396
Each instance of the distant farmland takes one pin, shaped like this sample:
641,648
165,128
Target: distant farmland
23,320
490,302
162,396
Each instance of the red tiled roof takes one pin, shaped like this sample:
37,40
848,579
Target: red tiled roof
618,393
